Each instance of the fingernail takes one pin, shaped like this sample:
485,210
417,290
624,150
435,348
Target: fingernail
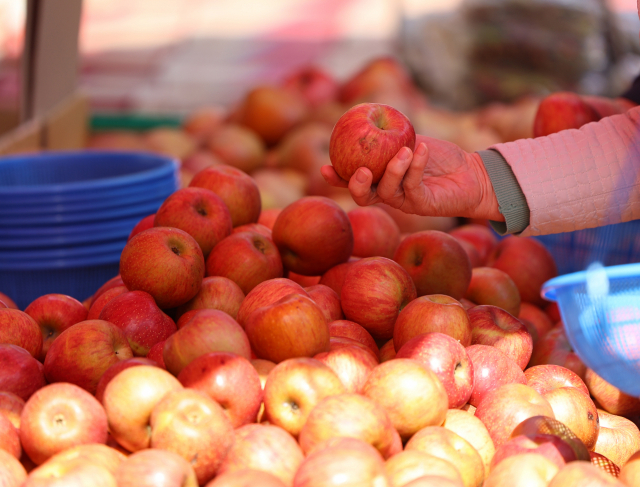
422,149
404,154
361,176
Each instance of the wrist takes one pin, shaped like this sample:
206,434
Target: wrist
487,206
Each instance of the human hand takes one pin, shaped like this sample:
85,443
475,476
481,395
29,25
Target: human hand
438,179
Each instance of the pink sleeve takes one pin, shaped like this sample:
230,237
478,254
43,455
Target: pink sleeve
581,178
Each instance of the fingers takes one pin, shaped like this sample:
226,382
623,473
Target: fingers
415,174
390,186
331,176
360,188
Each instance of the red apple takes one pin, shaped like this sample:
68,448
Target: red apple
267,293
115,369
381,74
446,358
547,425
210,330
562,111
156,354
11,406
523,470
165,262
528,263
351,329
83,352
554,348
170,141
494,287
503,408
436,262
254,227
12,473
375,233
369,135
247,258
60,416
467,426
433,313
578,474
536,320
351,363
549,446
327,300
496,327
228,379
202,121
237,146
199,212
387,351
575,409
349,415
145,224
334,277
9,437
374,292
618,438
191,424
491,370
609,397
10,303
20,374
142,322
269,216
155,468
408,465
216,292
481,237
630,472
55,313
246,478
264,447
293,326
313,235
545,378
100,302
237,189
129,399
18,328
315,84
294,387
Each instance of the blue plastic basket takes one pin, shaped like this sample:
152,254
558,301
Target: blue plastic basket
600,309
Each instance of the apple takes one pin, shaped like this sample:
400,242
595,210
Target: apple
562,110
170,141
236,188
536,320
528,262
247,258
522,470
18,328
228,379
343,463
60,416
447,445
481,237
20,374
313,235
188,422
210,330
155,468
491,370
383,73
334,277
630,471
272,111
581,473
203,121
304,281
11,407
9,437
436,262
432,313
269,216
408,465
501,409
293,326
95,454
472,253
550,446
54,313
254,227
115,369
348,415
374,292
156,354
492,286
618,439
327,300
411,393
554,348
266,448
433,481
604,464
9,303
375,233
336,343
496,327
467,426
12,473
138,316
165,262
83,352
145,224
575,409
100,302
609,397
294,387
246,478
316,85
75,474
546,378
351,329
129,399
237,146
266,293
264,368
387,351
351,363
216,292
448,359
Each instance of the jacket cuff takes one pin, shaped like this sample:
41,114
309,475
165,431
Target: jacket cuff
511,200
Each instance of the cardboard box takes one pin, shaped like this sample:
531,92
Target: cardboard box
53,114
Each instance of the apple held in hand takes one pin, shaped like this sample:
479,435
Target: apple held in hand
369,135
165,262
